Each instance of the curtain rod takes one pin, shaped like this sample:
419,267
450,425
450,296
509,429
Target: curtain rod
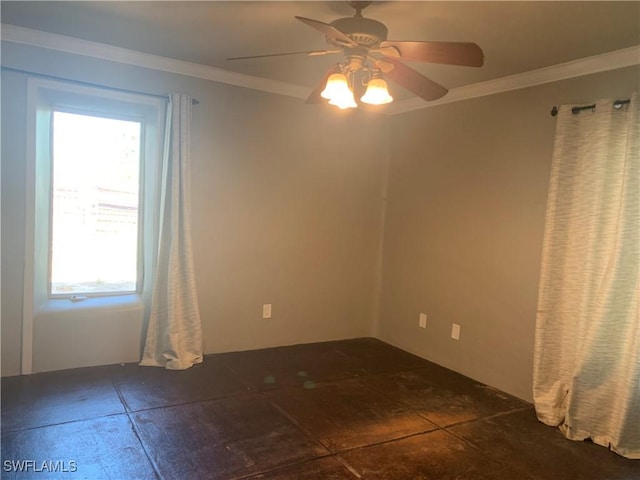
574,110
89,84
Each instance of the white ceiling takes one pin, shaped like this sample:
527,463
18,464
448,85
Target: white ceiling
516,37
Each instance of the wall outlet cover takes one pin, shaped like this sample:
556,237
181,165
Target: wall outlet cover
266,310
455,331
422,322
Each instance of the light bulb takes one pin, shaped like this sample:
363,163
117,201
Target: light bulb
377,93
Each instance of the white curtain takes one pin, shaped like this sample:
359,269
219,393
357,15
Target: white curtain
174,332
587,344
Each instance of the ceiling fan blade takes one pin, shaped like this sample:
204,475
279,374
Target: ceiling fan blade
315,95
329,30
450,53
413,81
311,53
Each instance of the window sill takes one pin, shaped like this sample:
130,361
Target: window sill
125,302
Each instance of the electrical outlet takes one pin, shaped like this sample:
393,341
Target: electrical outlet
455,331
422,322
266,310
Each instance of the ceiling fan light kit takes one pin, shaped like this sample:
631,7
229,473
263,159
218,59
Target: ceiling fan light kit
369,57
339,89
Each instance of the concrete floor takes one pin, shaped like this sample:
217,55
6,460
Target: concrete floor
337,410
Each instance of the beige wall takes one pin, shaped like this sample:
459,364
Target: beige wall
464,224
286,210
12,139
287,205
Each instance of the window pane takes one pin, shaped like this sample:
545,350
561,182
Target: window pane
95,204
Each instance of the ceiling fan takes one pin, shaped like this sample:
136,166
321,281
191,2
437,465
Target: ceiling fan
369,57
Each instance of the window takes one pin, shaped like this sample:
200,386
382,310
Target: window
95,182
95,204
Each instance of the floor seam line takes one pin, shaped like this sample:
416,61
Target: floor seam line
136,432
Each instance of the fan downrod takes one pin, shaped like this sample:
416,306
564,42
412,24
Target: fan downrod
358,6
366,32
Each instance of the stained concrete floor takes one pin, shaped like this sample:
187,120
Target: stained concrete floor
337,410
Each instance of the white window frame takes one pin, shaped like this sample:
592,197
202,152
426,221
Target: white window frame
141,206
43,96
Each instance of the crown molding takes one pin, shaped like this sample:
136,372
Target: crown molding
613,60
76,46
616,59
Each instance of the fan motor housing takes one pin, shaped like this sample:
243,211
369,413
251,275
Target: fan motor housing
363,31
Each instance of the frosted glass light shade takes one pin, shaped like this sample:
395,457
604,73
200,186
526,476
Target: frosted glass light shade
338,93
377,93
336,83
344,100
